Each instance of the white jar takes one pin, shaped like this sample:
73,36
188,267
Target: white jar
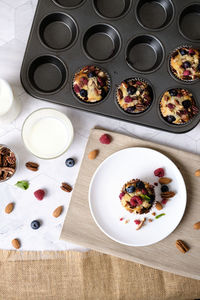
9,107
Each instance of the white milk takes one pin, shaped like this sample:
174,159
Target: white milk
9,107
47,133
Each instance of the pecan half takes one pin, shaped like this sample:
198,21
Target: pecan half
4,151
11,160
66,187
168,195
7,169
181,246
32,166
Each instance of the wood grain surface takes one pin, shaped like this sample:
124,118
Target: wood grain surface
80,228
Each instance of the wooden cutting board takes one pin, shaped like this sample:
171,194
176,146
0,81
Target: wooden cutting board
80,228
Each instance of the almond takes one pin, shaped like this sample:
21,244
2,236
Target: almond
167,195
16,243
9,208
141,224
159,205
197,173
58,211
165,180
196,225
93,154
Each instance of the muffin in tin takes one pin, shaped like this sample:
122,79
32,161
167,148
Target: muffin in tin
137,196
91,84
134,95
185,63
178,106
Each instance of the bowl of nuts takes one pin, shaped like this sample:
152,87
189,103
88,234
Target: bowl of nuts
8,163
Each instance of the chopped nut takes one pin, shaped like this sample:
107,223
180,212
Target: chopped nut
196,225
181,246
93,154
153,214
127,221
197,173
159,205
165,180
141,224
150,220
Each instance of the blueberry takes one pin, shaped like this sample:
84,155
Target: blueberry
130,189
171,119
70,162
164,188
131,108
91,74
35,224
186,64
183,52
173,92
131,90
152,197
103,93
83,93
186,103
140,184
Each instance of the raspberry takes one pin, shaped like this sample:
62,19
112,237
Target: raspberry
186,73
137,222
128,99
76,88
191,52
105,139
144,191
39,194
159,172
164,201
84,80
100,81
121,219
135,201
170,106
155,183
121,195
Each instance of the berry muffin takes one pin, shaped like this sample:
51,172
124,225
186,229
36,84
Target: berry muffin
91,84
185,63
177,106
134,96
137,196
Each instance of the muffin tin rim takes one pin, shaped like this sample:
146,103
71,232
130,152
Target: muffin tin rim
69,7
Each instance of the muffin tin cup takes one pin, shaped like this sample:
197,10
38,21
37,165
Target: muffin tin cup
112,10
170,68
144,54
127,38
176,125
58,31
139,113
155,15
189,20
96,102
101,42
47,74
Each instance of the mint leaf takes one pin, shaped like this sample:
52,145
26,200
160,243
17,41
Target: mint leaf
24,185
145,197
157,217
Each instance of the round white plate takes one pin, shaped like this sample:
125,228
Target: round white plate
105,187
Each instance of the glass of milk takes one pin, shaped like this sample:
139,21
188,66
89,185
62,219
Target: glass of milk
9,107
47,133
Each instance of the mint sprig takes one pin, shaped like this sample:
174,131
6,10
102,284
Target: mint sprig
23,184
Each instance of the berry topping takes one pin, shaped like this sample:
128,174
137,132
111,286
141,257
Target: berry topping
35,224
191,52
170,106
128,99
186,103
135,201
83,93
131,108
70,162
173,92
100,81
121,195
131,90
130,189
140,184
121,219
164,201
155,183
186,64
84,80
137,222
39,194
105,139
159,172
171,119
186,73
77,88
183,52
164,188
144,191
91,74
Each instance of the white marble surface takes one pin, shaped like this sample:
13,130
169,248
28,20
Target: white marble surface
15,21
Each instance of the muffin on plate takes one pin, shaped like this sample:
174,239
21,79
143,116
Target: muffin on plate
178,106
185,63
137,196
91,84
134,96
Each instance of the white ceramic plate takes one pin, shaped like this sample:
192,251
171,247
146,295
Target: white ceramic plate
105,206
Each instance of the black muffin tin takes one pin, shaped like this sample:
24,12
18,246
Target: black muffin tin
126,38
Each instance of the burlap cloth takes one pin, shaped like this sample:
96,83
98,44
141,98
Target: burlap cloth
90,275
